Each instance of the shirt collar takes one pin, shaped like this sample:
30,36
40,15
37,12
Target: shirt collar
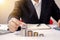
34,3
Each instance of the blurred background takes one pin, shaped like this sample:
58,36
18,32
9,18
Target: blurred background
6,7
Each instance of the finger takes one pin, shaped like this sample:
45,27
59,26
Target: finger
11,28
13,24
59,23
22,23
17,22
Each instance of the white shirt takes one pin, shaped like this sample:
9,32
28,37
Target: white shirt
37,7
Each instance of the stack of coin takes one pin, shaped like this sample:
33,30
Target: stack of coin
41,35
35,34
30,33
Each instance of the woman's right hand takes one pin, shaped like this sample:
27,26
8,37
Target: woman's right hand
13,24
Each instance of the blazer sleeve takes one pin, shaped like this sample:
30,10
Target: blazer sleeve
16,13
55,11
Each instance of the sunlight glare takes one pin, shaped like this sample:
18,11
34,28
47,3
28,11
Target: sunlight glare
2,1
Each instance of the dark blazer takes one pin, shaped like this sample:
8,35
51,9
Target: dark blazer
26,10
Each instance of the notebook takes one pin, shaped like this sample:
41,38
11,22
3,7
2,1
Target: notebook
38,27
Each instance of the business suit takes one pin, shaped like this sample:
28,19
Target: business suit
27,12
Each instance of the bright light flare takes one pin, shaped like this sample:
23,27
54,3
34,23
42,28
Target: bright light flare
2,1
